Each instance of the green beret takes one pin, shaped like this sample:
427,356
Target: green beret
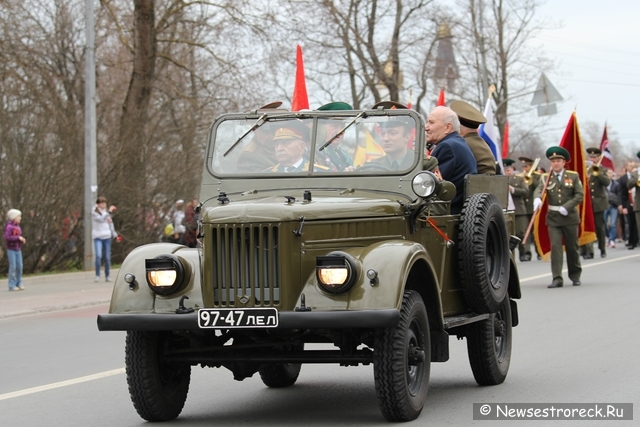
638,154
389,105
469,115
594,150
508,162
557,153
333,106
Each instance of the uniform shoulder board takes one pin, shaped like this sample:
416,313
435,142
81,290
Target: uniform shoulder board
572,173
317,166
251,147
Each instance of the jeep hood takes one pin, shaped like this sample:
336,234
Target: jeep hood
277,209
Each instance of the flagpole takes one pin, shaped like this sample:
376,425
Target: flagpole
533,217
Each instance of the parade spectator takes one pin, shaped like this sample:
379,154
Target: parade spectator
611,214
626,206
178,222
191,224
102,231
15,240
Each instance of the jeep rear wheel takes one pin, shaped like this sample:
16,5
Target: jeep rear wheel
402,362
489,346
483,253
158,388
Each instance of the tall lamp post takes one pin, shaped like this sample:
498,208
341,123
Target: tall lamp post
90,161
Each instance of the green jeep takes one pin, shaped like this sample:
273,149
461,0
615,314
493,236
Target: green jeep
353,254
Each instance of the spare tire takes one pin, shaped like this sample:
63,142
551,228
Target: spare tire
483,253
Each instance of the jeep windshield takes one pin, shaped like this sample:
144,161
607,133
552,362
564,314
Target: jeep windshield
314,144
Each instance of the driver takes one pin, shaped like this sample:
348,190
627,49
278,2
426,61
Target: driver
396,134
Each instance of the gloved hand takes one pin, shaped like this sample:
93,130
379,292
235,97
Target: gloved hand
563,211
537,202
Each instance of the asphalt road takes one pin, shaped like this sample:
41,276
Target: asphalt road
573,345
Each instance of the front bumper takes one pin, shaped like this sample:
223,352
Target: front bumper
287,320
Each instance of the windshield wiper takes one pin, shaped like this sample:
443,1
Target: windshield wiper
255,126
347,126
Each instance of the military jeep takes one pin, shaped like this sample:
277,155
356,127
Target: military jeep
364,259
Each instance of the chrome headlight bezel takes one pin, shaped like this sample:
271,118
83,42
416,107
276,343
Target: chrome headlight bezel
165,274
336,272
424,184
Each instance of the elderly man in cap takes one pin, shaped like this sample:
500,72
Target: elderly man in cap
564,194
532,180
634,182
290,148
519,190
470,118
333,154
598,183
454,156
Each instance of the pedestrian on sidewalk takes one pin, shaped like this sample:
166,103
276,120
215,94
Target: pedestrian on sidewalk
102,231
14,239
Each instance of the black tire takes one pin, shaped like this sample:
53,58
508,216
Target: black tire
489,346
279,375
483,253
158,388
402,362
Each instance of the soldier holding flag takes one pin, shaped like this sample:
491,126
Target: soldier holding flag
564,192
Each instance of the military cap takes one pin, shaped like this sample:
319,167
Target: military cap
638,154
271,105
557,153
335,106
594,150
389,105
525,160
469,115
289,132
398,121
508,162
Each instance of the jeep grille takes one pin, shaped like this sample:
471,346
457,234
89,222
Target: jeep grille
246,265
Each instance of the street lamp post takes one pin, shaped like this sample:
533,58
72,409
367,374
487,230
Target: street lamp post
90,161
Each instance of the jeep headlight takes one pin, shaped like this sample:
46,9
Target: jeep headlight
165,274
336,272
425,183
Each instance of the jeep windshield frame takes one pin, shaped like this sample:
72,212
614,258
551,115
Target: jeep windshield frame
378,143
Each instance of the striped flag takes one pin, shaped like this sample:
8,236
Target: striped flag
607,158
490,133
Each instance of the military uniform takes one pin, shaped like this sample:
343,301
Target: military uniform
564,194
600,203
256,157
471,118
519,190
528,203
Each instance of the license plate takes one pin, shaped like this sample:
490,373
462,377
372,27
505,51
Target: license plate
228,318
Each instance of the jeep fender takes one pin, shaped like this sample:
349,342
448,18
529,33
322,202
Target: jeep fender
399,264
141,299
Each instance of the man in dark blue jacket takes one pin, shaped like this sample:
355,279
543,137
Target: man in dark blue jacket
454,156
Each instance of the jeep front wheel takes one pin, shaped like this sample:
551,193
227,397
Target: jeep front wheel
489,346
158,388
402,362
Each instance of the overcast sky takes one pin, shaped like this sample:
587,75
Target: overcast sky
598,49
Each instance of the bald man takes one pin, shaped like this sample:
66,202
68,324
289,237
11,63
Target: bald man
454,156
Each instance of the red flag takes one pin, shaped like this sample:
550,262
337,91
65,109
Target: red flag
505,141
441,98
572,142
300,100
607,158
